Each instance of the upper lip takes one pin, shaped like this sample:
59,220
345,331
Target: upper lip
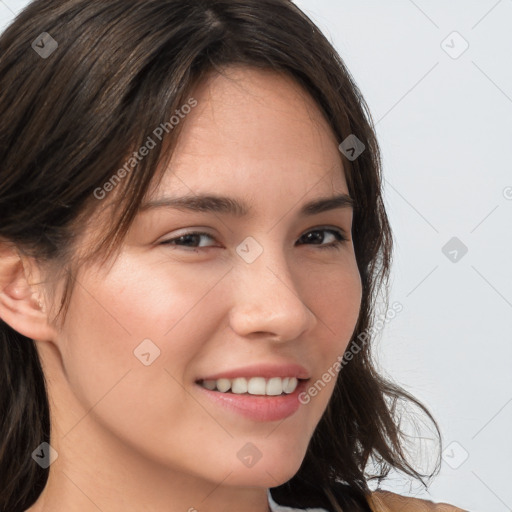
262,370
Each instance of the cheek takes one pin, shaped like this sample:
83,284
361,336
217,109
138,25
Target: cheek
337,300
111,318
336,304
106,322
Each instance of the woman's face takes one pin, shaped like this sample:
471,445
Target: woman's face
266,288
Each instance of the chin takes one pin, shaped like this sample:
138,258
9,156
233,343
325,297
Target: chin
268,472
262,477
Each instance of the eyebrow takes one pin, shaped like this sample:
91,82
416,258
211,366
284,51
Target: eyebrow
231,206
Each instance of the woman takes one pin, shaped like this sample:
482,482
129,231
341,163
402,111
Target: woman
193,238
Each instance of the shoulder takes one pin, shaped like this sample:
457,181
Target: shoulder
385,501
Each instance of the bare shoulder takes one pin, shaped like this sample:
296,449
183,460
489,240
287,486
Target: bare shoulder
385,501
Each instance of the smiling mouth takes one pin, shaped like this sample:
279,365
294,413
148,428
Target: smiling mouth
257,386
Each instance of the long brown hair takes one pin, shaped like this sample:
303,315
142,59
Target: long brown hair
115,70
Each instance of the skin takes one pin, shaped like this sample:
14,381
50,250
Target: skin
132,437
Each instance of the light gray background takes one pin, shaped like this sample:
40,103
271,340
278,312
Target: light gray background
444,123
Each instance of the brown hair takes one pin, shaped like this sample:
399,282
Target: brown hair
67,124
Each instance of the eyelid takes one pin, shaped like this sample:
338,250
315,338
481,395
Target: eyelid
342,233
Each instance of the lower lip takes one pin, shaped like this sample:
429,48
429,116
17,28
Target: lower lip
258,407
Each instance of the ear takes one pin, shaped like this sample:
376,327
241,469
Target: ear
21,304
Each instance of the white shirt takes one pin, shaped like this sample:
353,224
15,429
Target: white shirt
274,507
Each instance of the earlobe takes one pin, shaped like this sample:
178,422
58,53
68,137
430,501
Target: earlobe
21,306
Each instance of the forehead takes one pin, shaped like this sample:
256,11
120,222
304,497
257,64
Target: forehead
254,130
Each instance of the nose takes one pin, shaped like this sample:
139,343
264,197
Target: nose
267,300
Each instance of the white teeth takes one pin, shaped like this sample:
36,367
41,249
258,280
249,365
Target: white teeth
209,384
239,386
256,386
274,386
290,384
223,385
253,386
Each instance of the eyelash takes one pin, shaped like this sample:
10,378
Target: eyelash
333,245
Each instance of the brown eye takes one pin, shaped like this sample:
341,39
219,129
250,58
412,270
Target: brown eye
318,236
187,239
